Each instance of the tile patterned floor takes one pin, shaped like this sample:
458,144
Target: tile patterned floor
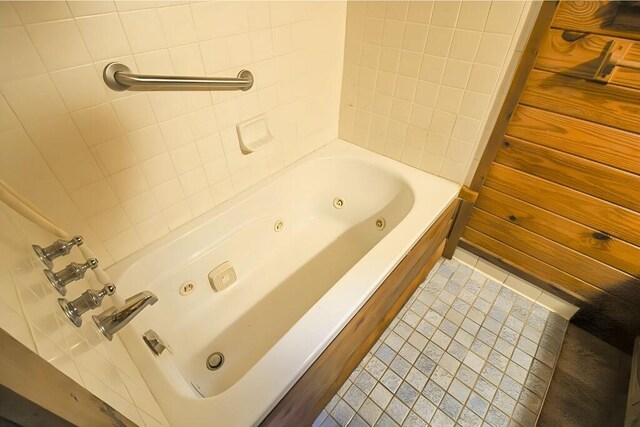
464,351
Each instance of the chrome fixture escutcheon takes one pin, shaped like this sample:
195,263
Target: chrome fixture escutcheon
70,273
56,249
89,300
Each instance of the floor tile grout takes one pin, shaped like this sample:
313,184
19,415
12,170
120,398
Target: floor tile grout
441,283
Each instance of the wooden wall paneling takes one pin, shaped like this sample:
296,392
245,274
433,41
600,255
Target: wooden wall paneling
525,65
593,178
581,55
571,234
304,401
559,185
610,105
601,17
578,137
626,76
605,316
617,107
587,269
583,208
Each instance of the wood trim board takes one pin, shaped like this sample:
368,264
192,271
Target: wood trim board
527,61
46,393
525,67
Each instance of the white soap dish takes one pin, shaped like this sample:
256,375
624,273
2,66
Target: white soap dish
254,134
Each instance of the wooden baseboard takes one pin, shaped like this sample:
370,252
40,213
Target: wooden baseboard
306,399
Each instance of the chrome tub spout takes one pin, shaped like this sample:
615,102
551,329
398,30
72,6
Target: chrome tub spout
113,319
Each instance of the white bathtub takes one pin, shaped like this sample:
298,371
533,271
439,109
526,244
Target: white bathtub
296,288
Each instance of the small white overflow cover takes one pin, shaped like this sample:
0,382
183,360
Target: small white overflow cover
222,276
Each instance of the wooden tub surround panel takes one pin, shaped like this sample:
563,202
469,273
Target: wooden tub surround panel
306,399
559,183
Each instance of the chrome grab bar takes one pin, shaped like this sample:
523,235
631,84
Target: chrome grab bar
119,77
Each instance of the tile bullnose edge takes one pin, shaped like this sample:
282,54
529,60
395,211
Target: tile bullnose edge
516,284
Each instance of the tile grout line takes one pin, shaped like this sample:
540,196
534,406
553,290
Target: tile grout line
494,296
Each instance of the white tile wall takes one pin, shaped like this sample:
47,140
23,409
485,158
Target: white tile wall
123,169
135,165
420,78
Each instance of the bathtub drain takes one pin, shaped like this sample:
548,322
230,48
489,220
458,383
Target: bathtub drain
381,223
215,361
338,203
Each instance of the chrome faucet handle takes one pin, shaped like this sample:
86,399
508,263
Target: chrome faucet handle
56,249
70,273
155,343
89,300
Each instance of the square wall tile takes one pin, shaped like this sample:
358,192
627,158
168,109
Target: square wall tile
80,87
89,7
97,124
104,36
473,15
178,25
59,44
41,11
8,15
457,61
503,17
143,29
18,56
33,98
